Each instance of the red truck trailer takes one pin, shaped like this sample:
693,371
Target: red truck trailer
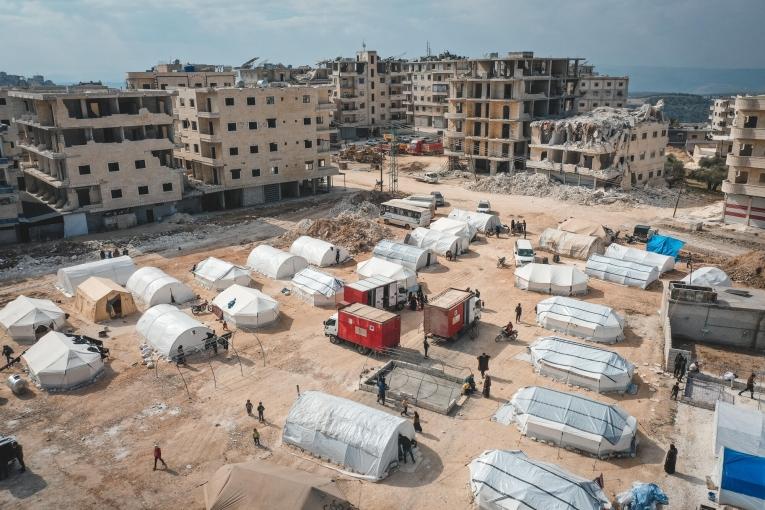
376,291
425,147
366,327
447,315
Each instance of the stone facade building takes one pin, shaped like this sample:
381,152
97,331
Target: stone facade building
721,114
177,75
594,91
426,88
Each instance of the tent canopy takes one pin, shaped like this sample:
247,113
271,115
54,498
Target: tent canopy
100,299
582,365
742,480
708,276
165,327
218,274
458,228
56,362
620,271
318,252
439,242
576,246
316,287
482,222
275,263
583,227
259,484
662,263
739,428
362,439
117,269
580,318
411,257
509,480
551,279
244,307
152,286
25,318
664,245
375,266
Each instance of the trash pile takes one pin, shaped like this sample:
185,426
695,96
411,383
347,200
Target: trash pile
748,269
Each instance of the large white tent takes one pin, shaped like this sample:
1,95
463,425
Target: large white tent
482,222
117,270
570,420
708,276
662,263
620,271
576,246
583,227
581,365
458,228
360,438
739,428
152,286
165,327
56,362
560,280
411,257
375,266
317,288
218,274
27,318
275,263
440,242
571,316
509,480
318,252
243,307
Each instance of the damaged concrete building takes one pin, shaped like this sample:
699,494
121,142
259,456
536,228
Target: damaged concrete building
604,147
594,90
10,205
426,88
249,74
492,104
721,113
177,75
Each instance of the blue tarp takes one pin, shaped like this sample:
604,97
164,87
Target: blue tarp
743,473
646,494
664,245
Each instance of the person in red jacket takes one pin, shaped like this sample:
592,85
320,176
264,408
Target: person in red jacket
158,456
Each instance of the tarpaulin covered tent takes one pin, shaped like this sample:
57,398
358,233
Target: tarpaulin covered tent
439,242
317,288
739,428
662,263
152,286
592,321
708,276
551,279
411,257
360,438
318,252
117,270
742,480
244,307
458,228
406,278
583,227
260,484
575,246
570,420
218,274
100,299
56,362
620,271
27,318
664,245
581,365
165,327
482,222
509,480
275,263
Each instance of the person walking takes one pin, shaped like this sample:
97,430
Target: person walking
337,255
381,387
261,410
180,357
8,353
518,312
404,407
671,460
425,346
255,436
675,390
678,361
512,225
483,363
749,386
417,425
405,447
486,386
158,457
248,407
524,229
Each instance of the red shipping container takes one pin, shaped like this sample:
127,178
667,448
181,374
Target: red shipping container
445,315
369,327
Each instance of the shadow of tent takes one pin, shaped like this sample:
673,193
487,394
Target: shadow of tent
429,470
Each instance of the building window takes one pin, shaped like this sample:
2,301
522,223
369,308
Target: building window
608,84
269,99
185,124
640,177
581,105
271,123
236,173
256,172
116,193
273,147
181,101
661,152
196,148
84,169
140,163
306,121
250,101
114,167
642,156
233,151
322,163
167,186
253,125
191,103
309,166
663,132
650,175
253,149
308,143
193,125
653,154
306,99
644,136
229,101
2,101
633,137
632,158
274,170
143,190
655,134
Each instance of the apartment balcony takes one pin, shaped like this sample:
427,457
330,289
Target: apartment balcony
747,133
399,97
30,120
144,117
398,109
38,174
206,160
745,161
455,115
323,107
751,190
202,114
210,138
406,82
454,134
455,152
750,103
348,98
325,128
40,150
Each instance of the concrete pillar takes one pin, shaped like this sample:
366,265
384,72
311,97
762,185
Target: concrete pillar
222,200
313,185
492,167
84,106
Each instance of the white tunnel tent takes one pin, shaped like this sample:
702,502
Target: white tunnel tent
509,480
482,222
662,263
620,271
118,270
435,240
217,274
165,328
411,257
317,288
243,307
152,286
708,276
567,244
362,439
581,365
591,321
560,280
60,362
406,278
27,318
275,263
570,420
318,252
458,228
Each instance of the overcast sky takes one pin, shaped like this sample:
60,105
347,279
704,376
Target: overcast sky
71,40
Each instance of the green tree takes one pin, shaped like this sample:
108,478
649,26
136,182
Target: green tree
712,172
674,170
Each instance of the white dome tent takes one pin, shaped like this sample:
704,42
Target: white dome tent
458,228
581,365
56,362
570,420
317,288
439,242
575,246
374,266
411,257
27,318
619,271
509,480
482,222
165,327
243,307
318,252
218,274
708,276
275,263
574,317
117,270
551,279
362,439
152,286
662,263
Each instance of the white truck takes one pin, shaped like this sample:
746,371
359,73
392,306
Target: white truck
523,252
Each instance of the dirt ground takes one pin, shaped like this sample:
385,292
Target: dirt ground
93,447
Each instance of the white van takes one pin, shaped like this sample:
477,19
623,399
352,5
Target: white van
523,252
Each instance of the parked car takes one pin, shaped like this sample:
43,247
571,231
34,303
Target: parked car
484,206
439,198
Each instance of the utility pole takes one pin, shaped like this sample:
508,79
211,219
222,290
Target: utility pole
393,165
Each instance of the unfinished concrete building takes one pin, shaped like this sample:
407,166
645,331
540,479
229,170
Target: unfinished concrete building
10,206
745,187
594,91
492,104
249,74
99,159
177,75
426,89
721,113
252,145
604,147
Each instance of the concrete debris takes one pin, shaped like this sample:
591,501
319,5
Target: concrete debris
748,269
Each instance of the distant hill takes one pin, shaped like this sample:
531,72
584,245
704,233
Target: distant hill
691,80
680,107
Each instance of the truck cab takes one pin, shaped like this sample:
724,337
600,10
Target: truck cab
523,252
330,326
431,177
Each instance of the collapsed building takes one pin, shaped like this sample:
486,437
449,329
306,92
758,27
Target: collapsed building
604,147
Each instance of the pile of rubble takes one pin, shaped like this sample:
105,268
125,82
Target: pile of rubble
356,232
414,166
748,269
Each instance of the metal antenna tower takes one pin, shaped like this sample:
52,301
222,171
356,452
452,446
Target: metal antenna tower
393,165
